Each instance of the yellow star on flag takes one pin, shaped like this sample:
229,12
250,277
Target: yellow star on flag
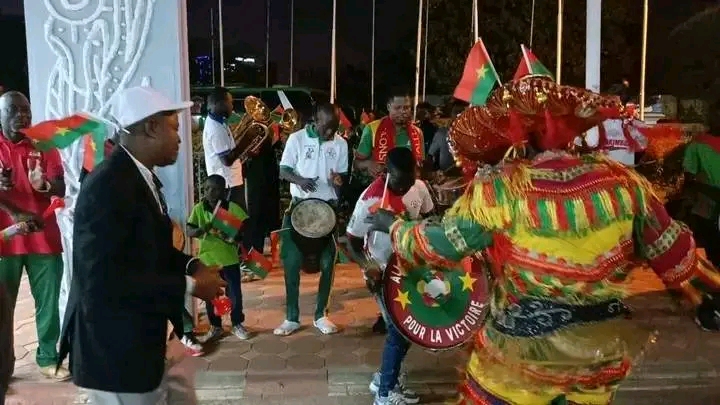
62,131
467,282
92,145
403,299
481,72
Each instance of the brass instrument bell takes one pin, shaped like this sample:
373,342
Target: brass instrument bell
290,121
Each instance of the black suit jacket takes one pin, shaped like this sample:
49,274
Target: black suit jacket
128,281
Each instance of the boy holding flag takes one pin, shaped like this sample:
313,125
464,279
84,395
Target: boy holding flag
217,223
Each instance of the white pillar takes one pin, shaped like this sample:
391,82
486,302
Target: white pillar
81,53
593,44
593,48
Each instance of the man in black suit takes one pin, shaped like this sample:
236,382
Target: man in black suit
129,280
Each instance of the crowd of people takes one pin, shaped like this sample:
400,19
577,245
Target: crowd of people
529,211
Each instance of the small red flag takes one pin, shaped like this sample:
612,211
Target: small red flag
530,65
257,263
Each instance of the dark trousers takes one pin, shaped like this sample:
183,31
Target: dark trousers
263,209
231,274
706,235
7,357
237,195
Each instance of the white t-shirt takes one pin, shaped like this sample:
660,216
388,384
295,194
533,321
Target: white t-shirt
312,159
217,141
618,148
417,201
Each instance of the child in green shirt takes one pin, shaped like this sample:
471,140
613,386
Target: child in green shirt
218,250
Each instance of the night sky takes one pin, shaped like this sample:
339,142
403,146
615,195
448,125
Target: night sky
245,23
244,26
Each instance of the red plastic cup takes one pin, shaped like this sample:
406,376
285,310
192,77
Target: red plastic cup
222,305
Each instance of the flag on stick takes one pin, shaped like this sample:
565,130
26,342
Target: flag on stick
345,125
479,77
257,263
62,133
365,118
530,65
226,222
95,150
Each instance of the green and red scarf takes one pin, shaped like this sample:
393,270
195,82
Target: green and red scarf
384,140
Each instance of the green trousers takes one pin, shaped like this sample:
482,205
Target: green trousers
44,273
292,261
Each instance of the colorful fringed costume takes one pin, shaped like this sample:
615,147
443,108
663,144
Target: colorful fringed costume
561,233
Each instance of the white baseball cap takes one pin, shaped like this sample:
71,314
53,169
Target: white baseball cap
134,104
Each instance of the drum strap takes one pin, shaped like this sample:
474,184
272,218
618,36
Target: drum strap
532,317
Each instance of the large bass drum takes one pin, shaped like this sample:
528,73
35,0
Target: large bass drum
313,222
438,322
447,192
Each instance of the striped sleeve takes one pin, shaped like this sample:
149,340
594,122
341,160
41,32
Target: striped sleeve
670,250
440,244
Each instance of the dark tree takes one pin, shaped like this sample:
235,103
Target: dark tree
505,24
690,59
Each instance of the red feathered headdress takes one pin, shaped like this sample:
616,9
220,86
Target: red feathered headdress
533,109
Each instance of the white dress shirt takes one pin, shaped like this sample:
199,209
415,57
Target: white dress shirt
148,176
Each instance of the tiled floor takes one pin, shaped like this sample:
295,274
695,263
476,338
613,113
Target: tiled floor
309,368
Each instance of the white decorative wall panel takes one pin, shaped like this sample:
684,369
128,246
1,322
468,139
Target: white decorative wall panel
81,52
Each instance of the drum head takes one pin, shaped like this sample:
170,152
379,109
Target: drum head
437,324
313,218
452,185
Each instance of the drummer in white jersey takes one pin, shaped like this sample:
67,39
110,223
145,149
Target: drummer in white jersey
621,139
408,197
315,162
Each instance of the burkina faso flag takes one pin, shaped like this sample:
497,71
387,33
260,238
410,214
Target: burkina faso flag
96,148
60,134
479,77
257,263
227,223
531,65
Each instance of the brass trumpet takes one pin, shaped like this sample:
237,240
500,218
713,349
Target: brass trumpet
290,121
254,127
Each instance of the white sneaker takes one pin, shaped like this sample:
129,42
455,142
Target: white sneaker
392,399
408,395
213,334
192,346
240,332
286,328
325,326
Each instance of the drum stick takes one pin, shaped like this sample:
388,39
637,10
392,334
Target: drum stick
382,201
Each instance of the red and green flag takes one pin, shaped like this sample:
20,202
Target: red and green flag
227,223
345,125
96,148
59,134
531,65
365,118
479,77
257,263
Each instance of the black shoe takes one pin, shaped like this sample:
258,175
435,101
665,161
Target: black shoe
379,326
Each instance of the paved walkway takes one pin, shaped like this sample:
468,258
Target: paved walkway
308,368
